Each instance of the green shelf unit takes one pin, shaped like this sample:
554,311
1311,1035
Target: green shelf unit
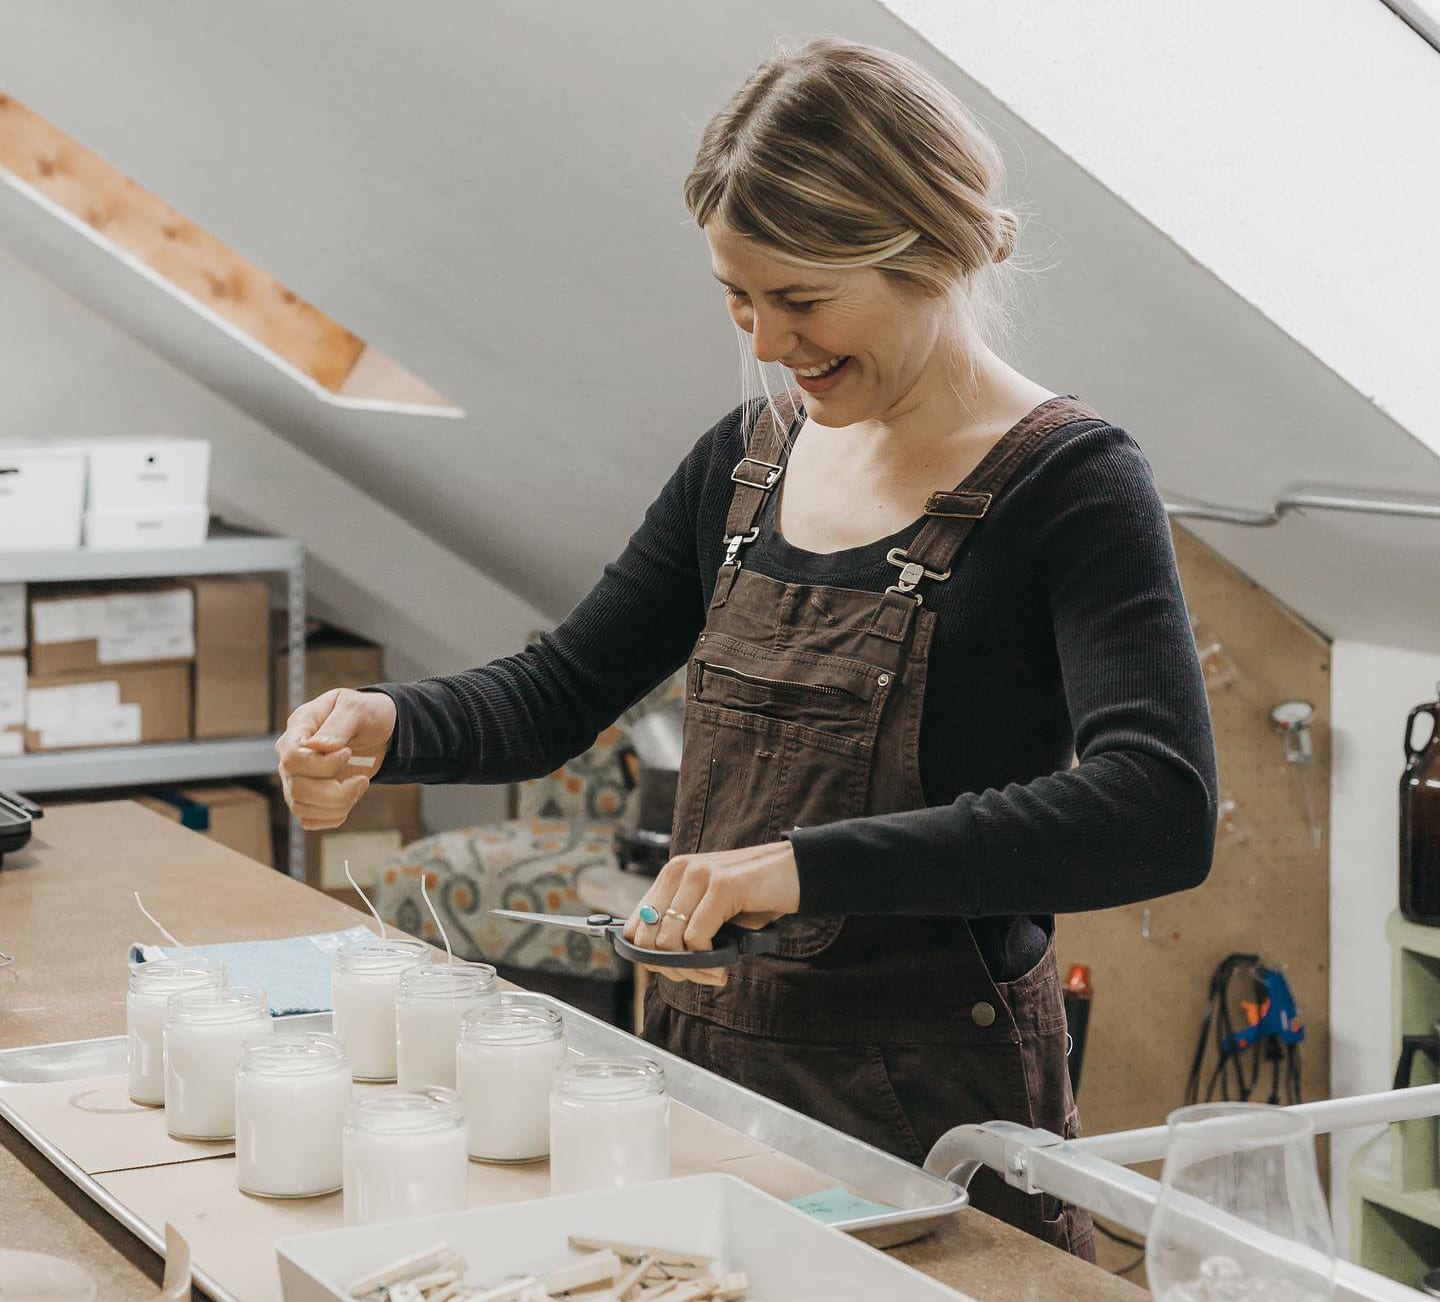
1395,1217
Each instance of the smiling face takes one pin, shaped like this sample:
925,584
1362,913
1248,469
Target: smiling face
892,341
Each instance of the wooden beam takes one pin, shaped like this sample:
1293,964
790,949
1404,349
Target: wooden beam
200,266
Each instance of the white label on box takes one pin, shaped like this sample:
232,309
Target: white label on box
11,744
365,851
148,626
58,707
12,690
12,616
77,619
118,725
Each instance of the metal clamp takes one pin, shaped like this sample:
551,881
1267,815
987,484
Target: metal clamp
911,572
733,543
771,477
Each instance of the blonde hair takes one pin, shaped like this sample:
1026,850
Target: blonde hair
845,155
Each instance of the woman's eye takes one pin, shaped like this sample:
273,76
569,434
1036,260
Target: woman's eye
804,305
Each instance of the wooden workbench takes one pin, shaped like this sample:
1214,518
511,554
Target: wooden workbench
67,916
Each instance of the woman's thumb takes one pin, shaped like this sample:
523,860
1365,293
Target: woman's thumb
340,725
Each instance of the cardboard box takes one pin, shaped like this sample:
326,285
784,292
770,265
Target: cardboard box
12,742
232,657
76,628
42,497
386,819
234,816
14,627
108,707
333,658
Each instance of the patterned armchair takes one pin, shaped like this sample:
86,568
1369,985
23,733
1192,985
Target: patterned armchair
563,828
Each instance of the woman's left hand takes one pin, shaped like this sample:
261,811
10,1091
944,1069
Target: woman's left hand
695,893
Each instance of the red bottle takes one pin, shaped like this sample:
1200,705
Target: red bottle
1420,821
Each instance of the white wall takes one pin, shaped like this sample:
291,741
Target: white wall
1373,689
66,373
1288,147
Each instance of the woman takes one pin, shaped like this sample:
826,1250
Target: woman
904,608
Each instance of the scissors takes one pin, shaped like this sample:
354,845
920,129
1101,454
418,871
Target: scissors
731,942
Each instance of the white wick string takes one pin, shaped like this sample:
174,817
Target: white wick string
158,927
424,895
379,920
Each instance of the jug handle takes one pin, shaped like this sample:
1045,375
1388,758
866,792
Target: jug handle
1431,709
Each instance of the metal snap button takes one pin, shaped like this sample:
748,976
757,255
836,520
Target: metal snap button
983,1014
883,680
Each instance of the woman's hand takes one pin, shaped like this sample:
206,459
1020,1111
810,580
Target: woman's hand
330,749
695,893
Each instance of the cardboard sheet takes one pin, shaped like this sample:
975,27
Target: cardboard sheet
94,1123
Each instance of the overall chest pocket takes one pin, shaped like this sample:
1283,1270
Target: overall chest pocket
773,743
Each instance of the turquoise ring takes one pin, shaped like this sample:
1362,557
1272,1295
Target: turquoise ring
649,914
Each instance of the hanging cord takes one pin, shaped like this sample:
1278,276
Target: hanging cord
1271,1034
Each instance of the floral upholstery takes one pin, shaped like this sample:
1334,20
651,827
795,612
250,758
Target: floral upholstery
530,864
565,824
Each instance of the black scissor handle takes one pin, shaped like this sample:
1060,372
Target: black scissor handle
731,943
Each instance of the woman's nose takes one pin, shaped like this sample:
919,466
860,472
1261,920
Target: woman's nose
770,339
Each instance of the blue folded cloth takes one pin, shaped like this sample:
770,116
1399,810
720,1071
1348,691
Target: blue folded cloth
294,973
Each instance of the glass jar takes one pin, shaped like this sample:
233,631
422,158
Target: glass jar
205,1033
363,987
290,1096
151,985
432,999
404,1155
609,1125
505,1063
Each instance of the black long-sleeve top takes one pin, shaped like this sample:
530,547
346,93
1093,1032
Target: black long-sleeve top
1061,633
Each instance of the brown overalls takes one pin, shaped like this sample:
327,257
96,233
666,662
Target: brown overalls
803,707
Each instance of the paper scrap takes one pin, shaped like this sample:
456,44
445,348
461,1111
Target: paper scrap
837,1204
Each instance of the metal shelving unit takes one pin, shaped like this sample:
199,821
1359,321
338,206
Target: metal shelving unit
226,551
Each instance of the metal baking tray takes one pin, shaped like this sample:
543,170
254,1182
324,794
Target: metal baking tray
919,1199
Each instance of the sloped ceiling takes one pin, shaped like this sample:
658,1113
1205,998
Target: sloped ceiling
490,193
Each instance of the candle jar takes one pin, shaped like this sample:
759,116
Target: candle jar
290,1097
151,985
609,1125
364,984
205,1033
431,1001
404,1155
505,1063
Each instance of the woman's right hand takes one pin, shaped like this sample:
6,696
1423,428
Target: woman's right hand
330,749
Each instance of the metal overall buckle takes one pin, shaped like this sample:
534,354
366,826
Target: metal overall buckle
911,572
768,481
733,543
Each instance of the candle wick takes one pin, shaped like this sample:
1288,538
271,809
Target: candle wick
379,920
439,926
158,927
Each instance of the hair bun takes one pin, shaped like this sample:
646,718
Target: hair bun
1007,230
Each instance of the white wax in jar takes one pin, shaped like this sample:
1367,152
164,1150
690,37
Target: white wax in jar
364,984
506,1089
200,1061
605,1143
427,1028
404,1173
290,1103
151,985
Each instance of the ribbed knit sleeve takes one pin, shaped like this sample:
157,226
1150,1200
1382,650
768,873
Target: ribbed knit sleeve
524,715
1136,817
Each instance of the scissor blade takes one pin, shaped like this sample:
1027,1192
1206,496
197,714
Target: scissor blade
553,919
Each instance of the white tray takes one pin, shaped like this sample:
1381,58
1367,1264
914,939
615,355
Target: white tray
788,1256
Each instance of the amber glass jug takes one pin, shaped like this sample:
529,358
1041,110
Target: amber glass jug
1420,820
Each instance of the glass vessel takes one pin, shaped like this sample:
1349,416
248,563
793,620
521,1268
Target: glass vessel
1241,1215
363,986
404,1155
290,1097
609,1125
505,1063
432,999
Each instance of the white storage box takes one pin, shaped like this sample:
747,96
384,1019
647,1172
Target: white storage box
161,526
787,1256
12,617
138,475
42,498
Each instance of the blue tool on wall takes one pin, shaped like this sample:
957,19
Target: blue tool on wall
1267,1030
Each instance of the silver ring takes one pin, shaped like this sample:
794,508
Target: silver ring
675,913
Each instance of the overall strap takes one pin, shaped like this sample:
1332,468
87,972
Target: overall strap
951,516
755,476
